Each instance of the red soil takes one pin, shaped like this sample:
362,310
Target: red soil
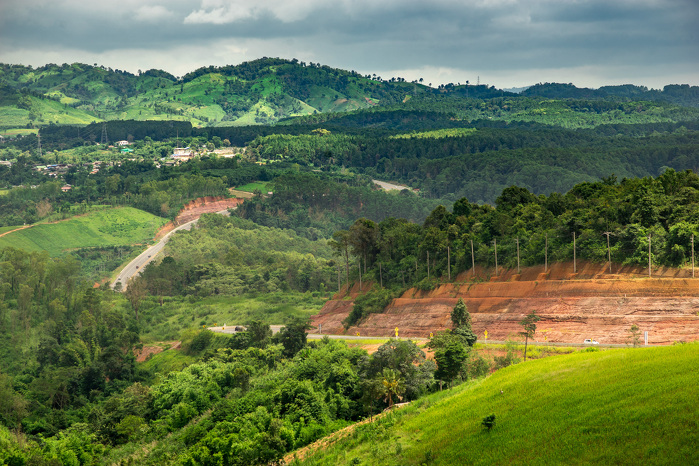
193,210
573,307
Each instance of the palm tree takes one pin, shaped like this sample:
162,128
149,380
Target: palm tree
391,386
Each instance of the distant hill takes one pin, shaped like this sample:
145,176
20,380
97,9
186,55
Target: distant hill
681,94
257,92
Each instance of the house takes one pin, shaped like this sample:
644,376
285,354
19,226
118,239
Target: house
182,152
66,188
123,143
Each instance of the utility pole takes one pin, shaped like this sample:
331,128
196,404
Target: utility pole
380,276
575,265
360,273
428,264
692,256
495,242
104,140
473,261
38,137
609,251
649,235
546,253
449,262
517,241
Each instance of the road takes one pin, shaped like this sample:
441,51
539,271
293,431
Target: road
229,329
134,267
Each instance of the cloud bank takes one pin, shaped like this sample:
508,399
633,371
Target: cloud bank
502,42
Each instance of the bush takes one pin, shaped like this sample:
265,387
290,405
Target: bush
478,367
200,342
372,302
510,356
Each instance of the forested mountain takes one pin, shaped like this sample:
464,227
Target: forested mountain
267,90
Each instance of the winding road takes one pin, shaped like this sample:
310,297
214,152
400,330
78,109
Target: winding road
134,267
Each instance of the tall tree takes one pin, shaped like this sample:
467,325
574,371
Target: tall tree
529,326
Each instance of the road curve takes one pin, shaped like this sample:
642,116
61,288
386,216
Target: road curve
134,267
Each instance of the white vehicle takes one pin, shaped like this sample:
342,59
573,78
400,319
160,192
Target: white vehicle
588,341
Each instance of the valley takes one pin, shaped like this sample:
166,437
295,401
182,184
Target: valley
353,295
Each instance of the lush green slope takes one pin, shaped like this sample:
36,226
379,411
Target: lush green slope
112,227
267,90
613,407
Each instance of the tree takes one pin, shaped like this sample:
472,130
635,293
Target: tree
529,326
135,292
293,336
635,336
460,315
260,334
391,386
340,244
462,323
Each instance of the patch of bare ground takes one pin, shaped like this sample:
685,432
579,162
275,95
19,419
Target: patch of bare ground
573,306
146,352
194,209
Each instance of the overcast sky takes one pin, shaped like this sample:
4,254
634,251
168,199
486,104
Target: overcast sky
507,43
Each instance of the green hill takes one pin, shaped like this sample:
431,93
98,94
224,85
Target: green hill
110,227
268,90
634,406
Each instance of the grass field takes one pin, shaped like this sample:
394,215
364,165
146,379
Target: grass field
624,406
6,229
109,227
250,187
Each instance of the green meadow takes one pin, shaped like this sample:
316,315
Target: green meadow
110,227
624,406
250,187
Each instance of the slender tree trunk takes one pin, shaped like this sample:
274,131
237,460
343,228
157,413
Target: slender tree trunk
526,340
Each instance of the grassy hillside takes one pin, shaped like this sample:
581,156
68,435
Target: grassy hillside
111,227
614,407
268,90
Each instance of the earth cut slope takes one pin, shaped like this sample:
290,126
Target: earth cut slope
591,303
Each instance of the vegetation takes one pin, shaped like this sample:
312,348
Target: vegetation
546,227
71,391
601,407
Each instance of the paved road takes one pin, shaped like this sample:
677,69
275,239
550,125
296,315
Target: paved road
229,329
134,267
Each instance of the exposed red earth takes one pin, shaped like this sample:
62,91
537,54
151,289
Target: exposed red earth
193,210
591,303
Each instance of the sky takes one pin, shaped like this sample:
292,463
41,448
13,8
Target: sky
504,43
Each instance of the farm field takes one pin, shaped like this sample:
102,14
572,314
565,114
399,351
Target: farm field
112,227
610,407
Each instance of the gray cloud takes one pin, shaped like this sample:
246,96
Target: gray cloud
592,42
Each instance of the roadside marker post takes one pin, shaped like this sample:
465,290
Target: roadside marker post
396,332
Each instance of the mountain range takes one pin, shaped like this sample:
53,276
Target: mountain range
263,91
